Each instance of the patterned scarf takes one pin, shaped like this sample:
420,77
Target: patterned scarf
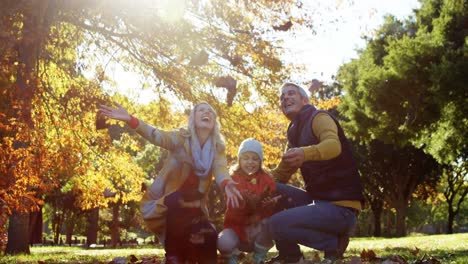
202,156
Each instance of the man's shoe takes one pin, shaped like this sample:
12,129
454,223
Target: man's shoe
287,260
343,242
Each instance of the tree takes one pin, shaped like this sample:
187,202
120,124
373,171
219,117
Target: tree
393,175
407,88
29,30
408,85
370,169
215,51
455,190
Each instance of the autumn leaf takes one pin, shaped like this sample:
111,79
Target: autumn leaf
415,251
200,59
284,27
368,255
316,257
230,84
397,259
101,122
315,85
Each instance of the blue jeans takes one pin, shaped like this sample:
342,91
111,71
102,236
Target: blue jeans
313,223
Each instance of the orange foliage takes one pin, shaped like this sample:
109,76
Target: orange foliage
327,104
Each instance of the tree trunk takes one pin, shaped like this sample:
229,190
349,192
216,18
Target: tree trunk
93,227
18,232
377,222
57,227
35,27
35,227
69,228
401,219
115,225
388,223
450,219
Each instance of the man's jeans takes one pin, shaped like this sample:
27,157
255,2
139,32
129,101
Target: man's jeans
312,223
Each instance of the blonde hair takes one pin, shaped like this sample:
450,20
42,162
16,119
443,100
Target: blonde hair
218,138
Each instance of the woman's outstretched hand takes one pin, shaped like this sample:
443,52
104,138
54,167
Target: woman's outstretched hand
118,113
233,196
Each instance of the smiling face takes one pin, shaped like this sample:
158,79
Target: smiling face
291,101
249,162
205,117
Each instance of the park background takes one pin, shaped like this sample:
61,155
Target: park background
402,99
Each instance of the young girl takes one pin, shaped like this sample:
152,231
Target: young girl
242,225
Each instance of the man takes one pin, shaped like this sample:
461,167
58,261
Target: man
323,215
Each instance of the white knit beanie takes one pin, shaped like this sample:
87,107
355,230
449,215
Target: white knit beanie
253,145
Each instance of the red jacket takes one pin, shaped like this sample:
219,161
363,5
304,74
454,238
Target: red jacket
253,188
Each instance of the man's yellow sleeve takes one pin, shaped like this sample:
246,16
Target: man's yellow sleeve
326,131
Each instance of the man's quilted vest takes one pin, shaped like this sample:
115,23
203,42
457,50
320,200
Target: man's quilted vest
331,180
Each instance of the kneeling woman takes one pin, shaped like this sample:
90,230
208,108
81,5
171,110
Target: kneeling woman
175,206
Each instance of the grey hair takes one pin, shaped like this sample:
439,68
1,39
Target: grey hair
216,135
301,90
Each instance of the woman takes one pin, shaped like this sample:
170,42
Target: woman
174,207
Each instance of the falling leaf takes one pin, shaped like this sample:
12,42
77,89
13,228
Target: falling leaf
200,59
315,85
234,60
285,27
230,84
101,122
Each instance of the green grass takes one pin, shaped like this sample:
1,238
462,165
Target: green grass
65,254
445,248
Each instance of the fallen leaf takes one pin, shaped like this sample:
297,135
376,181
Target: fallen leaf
132,259
415,251
398,259
387,261
354,260
316,257
368,255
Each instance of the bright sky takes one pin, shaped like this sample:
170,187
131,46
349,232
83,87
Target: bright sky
333,44
336,43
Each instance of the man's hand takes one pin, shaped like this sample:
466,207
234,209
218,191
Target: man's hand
233,196
294,157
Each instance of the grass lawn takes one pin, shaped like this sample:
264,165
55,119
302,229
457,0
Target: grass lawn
444,248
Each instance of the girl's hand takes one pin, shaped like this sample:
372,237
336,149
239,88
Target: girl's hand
233,196
118,113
